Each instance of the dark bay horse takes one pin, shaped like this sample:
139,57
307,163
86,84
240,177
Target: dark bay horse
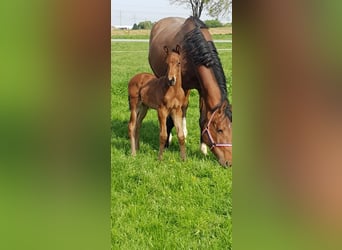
201,70
165,94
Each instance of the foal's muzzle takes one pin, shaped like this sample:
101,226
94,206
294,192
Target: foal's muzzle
172,81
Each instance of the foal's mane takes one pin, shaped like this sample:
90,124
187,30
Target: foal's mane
202,52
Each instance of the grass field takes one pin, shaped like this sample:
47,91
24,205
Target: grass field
217,33
168,204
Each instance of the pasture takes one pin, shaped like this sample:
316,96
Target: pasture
166,204
217,33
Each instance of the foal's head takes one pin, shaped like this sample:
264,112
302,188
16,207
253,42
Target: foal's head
217,134
173,61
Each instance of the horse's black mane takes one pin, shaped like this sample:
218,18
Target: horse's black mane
202,52
198,22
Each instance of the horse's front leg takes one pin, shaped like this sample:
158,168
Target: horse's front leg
162,115
177,118
203,146
184,110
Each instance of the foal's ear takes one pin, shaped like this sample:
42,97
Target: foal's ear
178,49
166,49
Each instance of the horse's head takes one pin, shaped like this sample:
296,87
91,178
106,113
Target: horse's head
173,61
217,134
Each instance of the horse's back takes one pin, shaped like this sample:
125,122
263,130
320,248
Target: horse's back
138,81
166,25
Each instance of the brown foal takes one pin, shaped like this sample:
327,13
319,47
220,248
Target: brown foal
165,94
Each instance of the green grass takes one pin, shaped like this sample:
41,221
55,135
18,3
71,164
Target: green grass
169,204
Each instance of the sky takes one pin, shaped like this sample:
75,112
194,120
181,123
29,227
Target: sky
128,12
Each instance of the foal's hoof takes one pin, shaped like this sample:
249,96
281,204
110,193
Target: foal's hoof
183,157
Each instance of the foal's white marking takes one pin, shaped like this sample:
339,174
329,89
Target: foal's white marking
185,131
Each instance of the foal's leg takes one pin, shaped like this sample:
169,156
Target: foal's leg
142,110
170,124
132,127
162,115
177,118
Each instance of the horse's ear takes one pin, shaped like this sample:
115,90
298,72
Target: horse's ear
223,107
178,49
166,49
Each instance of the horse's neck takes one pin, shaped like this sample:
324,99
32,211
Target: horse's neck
205,112
210,90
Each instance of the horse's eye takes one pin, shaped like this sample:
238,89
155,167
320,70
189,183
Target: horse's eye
220,131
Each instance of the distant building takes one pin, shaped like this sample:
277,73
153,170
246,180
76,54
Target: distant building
123,27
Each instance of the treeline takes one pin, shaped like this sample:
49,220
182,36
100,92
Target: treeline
146,25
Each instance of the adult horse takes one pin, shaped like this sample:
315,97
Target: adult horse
201,70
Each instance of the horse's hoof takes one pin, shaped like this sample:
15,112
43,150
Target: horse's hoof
204,148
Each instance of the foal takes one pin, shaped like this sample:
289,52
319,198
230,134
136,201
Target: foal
165,94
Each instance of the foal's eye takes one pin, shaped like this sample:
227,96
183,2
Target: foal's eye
220,131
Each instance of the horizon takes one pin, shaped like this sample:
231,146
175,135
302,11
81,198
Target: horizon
126,13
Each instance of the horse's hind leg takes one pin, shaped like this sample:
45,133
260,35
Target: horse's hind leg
142,111
177,118
169,127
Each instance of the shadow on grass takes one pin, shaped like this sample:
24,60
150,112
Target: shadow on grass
149,134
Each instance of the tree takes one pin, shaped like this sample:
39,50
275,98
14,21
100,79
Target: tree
218,8
215,8
196,5
145,25
213,23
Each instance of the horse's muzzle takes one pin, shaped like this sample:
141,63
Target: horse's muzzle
226,163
